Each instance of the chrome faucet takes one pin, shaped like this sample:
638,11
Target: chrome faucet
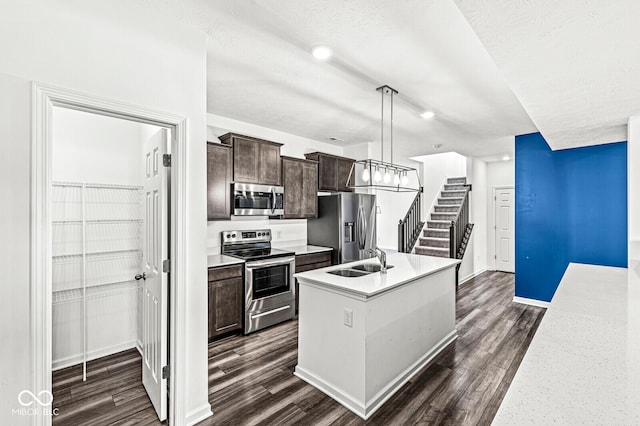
382,257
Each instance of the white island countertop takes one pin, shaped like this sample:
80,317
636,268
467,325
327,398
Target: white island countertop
406,268
583,365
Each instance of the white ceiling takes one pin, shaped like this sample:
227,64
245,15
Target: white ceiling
260,70
570,65
574,64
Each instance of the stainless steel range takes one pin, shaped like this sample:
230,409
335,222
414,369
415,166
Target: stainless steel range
268,283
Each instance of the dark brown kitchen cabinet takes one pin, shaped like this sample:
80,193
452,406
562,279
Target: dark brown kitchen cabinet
219,177
254,160
308,262
300,181
333,171
226,296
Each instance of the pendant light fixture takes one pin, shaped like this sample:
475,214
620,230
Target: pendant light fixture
378,174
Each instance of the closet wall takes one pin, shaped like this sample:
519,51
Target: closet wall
97,163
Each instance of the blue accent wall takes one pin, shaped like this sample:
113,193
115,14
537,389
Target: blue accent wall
571,206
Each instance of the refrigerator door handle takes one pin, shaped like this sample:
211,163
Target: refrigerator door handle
362,228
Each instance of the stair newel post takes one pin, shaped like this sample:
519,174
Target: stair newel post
400,237
452,240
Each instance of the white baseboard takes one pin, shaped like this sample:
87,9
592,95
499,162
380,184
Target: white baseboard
532,302
68,361
366,410
198,415
471,276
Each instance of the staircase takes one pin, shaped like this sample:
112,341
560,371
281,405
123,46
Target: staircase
449,222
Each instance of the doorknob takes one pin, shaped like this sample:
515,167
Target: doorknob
141,277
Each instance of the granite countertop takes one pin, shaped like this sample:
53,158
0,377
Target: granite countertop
582,366
407,268
217,260
300,250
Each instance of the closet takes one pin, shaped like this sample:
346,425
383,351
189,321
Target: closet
97,226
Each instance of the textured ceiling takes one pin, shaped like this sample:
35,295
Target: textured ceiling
260,70
573,64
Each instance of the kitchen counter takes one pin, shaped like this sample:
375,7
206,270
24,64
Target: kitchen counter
407,268
302,250
360,339
583,364
217,260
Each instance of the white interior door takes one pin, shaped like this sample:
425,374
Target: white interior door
504,230
154,303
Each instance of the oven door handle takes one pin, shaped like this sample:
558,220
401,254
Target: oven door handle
270,262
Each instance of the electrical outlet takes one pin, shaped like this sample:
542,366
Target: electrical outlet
348,317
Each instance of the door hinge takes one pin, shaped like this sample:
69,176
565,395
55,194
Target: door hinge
165,372
495,256
166,160
166,266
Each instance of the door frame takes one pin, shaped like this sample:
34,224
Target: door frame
44,98
493,220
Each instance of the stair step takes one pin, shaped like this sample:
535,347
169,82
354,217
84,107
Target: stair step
434,242
452,194
432,251
444,216
436,233
454,180
439,224
454,187
450,201
445,208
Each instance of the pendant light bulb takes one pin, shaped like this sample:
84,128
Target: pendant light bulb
377,177
387,176
365,175
396,179
405,179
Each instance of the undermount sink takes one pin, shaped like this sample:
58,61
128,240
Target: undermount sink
348,273
370,267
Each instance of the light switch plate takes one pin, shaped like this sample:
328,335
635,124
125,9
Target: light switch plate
348,317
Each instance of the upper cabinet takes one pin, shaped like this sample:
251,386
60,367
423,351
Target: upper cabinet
333,171
300,181
254,160
219,177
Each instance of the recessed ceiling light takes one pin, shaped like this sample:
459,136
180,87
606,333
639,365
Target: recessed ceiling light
506,158
322,53
335,139
428,115
437,146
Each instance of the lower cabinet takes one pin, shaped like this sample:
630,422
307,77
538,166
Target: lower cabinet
226,296
307,262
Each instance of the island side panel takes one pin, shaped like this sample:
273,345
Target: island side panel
406,328
330,353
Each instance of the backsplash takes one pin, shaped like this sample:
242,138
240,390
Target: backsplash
284,233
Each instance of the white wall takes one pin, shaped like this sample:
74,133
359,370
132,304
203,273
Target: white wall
94,148
285,232
499,173
119,50
15,363
475,258
633,188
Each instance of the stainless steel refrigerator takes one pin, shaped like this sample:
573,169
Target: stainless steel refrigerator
347,223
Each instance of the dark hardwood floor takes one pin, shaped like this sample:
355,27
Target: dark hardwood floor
112,395
251,377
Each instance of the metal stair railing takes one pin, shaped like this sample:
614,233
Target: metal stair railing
410,227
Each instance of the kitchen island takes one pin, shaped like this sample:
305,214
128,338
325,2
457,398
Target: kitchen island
362,337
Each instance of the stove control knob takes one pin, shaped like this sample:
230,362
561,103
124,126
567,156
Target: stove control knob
228,235
267,234
233,235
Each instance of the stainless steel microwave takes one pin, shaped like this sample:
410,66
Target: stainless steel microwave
257,200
